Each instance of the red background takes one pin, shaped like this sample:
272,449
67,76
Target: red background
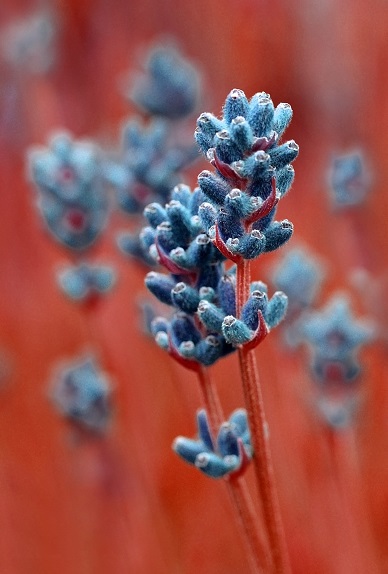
126,504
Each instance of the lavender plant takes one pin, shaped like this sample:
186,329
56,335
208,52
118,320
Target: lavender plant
230,216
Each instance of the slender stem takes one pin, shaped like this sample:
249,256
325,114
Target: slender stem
255,543
238,491
259,434
211,400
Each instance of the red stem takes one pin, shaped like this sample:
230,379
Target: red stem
262,459
247,520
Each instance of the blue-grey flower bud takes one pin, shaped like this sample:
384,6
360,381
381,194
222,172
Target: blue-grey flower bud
236,104
235,331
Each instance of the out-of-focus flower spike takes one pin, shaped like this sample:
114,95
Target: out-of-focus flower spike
170,86
284,179
282,118
188,449
349,179
73,284
276,309
70,182
83,394
257,301
155,214
211,316
261,114
299,274
236,104
277,234
214,466
204,429
235,331
104,277
284,154
185,298
215,188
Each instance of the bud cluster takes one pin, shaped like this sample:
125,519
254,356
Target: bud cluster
228,455
252,172
204,326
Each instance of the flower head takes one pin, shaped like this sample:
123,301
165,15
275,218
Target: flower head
202,291
252,172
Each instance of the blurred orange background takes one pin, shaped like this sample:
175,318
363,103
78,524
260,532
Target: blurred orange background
124,503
